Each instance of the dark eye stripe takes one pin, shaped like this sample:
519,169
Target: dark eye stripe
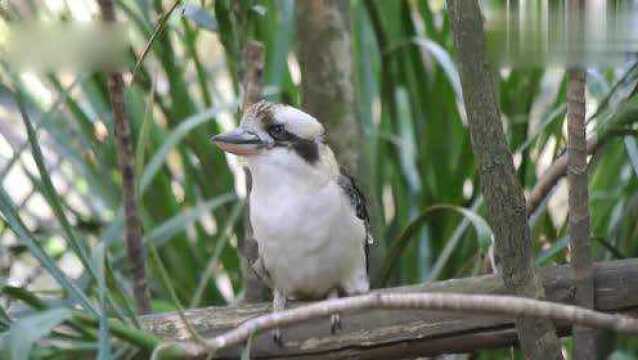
278,132
307,149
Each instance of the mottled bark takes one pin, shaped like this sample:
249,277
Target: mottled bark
125,162
579,241
325,57
507,212
388,334
252,84
253,71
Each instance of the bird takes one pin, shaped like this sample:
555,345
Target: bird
309,218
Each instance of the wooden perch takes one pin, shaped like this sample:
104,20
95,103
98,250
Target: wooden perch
389,333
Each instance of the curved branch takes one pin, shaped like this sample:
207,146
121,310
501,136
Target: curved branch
483,304
558,169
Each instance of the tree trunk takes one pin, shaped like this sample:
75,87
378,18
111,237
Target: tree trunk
507,212
325,58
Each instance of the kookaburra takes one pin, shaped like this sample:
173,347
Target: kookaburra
308,217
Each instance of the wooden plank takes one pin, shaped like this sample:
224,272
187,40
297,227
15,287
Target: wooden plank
392,333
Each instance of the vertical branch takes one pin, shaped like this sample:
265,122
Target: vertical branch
580,244
125,162
507,213
325,58
252,84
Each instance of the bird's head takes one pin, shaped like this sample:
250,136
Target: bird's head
266,126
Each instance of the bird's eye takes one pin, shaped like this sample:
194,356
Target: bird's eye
278,132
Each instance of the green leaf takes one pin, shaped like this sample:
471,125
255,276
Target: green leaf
5,321
176,135
622,355
104,343
259,10
222,240
632,151
143,137
166,230
406,142
200,17
556,248
452,243
12,218
26,331
483,232
445,60
178,223
79,248
166,282
245,352
24,295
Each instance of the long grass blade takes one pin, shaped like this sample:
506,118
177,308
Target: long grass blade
631,145
78,247
483,232
12,218
162,233
176,135
211,266
166,282
26,331
445,60
104,343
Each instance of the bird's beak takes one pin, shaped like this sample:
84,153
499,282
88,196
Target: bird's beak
238,141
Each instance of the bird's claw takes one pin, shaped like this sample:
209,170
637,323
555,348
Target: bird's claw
335,323
277,337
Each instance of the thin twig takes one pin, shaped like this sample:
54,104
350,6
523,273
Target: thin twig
126,164
510,306
161,24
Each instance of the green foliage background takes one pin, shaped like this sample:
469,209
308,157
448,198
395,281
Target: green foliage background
419,171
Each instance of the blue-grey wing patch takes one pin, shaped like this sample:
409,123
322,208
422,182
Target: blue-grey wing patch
358,201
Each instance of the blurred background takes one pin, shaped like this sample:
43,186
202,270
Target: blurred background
411,150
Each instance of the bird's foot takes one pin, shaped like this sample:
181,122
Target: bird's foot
335,323
277,337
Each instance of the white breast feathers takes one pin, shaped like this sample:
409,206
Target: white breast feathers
310,240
